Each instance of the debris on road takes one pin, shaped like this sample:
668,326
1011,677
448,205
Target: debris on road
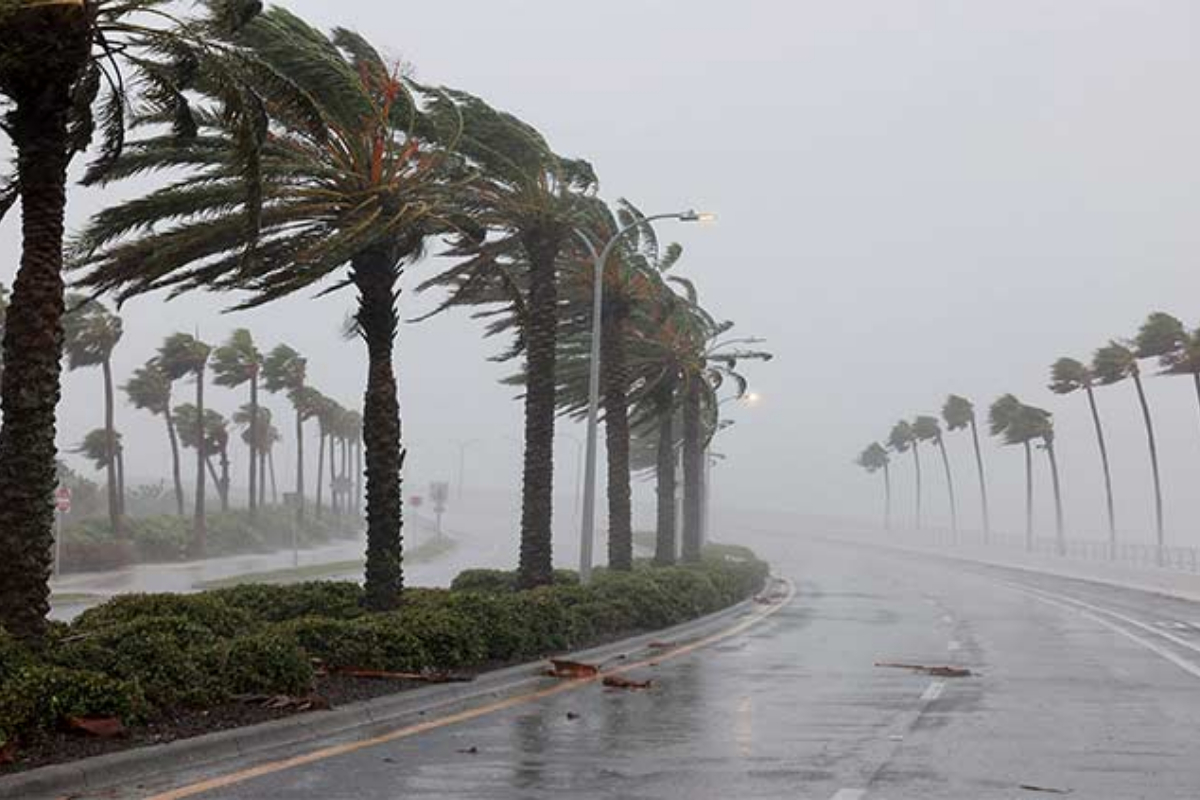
936,672
425,677
469,751
285,702
572,670
572,715
1027,787
621,682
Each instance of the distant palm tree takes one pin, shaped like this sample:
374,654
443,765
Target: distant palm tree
90,334
1162,336
214,442
1113,364
285,370
234,363
150,389
104,449
927,429
1183,361
1039,423
901,440
959,413
257,431
180,355
874,459
1066,376
1005,419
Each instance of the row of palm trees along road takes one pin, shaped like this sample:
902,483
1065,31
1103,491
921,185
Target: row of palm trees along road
1162,338
294,160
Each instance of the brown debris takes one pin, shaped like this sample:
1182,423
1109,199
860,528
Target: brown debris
571,669
103,727
621,682
469,751
1031,788
427,677
936,672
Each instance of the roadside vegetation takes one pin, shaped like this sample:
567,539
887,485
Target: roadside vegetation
170,661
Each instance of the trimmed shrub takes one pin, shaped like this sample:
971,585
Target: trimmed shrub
449,639
201,609
498,580
367,643
40,698
13,656
272,603
265,663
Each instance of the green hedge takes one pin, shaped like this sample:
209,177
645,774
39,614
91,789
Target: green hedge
145,654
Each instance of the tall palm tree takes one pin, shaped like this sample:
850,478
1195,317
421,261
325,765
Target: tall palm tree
235,363
901,439
61,61
150,389
215,441
1163,337
285,370
1039,423
1007,419
528,198
1113,364
1183,361
927,429
179,356
91,333
254,421
354,172
106,452
959,413
874,458
1067,376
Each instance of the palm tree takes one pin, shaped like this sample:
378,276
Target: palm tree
927,429
874,458
901,439
214,442
1183,361
1113,364
1040,424
59,58
1066,376
959,413
234,363
358,176
254,421
179,356
106,452
528,197
284,370
1162,336
1007,419
91,333
150,389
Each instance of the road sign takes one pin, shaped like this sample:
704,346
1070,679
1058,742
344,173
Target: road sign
415,501
62,499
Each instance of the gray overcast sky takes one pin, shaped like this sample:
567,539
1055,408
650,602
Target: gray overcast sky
915,198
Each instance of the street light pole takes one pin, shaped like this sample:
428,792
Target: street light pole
588,525
462,459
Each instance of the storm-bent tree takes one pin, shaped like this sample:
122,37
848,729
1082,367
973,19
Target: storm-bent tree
1067,376
150,389
959,414
874,458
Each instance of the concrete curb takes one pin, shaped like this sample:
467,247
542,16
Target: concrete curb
351,722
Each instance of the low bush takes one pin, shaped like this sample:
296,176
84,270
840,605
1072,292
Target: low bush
203,609
498,580
39,698
336,599
265,663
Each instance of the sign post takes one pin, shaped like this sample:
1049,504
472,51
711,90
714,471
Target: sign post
62,506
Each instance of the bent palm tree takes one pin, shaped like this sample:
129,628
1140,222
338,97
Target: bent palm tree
901,439
1111,365
150,389
234,363
179,356
284,370
353,173
959,413
1008,420
1185,360
215,441
91,333
874,458
1037,423
927,429
106,452
1067,376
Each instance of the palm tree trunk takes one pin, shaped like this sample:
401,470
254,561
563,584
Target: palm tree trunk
37,125
1108,492
1158,502
274,487
1059,531
262,477
320,469
199,524
664,540
541,343
254,472
374,273
887,497
983,493
223,484
333,493
176,474
616,439
917,462
941,443
692,471
299,465
110,470
358,477
121,477
1028,497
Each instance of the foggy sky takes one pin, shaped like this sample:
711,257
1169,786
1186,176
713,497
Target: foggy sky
915,198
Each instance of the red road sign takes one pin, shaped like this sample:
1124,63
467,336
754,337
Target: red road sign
62,499
415,501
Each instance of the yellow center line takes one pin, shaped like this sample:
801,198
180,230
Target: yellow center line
334,751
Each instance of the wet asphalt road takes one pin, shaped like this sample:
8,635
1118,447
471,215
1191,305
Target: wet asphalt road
1066,697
